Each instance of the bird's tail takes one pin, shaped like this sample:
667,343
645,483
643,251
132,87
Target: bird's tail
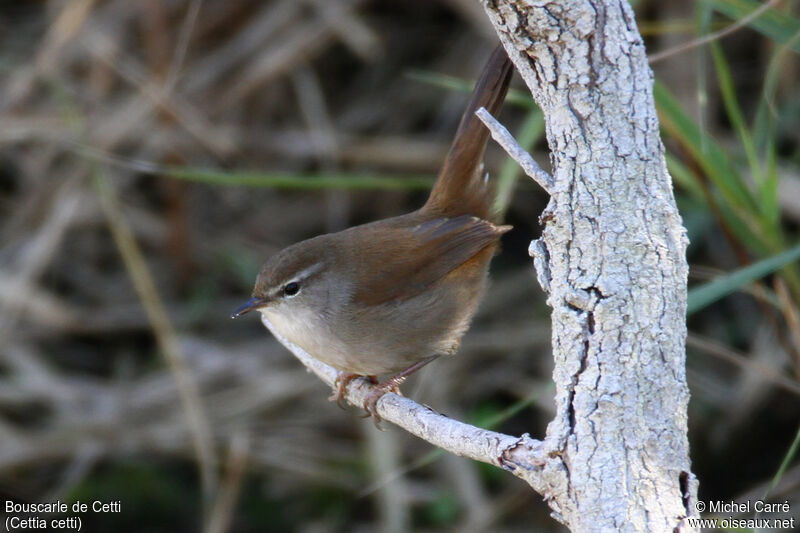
461,188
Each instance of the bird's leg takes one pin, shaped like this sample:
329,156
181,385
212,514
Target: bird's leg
390,384
343,379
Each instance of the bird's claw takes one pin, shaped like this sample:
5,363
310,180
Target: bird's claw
371,401
341,383
343,379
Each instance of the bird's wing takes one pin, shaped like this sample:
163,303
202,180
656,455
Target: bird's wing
420,255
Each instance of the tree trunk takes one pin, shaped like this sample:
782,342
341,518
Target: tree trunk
612,260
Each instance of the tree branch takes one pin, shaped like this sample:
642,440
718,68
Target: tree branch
519,455
526,162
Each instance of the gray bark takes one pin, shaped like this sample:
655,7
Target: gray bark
612,260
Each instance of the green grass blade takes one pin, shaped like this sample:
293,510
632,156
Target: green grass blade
787,460
769,190
709,293
764,130
779,26
298,181
708,154
767,111
515,97
683,176
733,200
275,180
703,15
735,114
754,238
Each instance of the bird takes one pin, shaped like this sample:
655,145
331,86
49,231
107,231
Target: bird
388,297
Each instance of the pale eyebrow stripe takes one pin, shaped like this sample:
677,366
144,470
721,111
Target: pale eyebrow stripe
303,274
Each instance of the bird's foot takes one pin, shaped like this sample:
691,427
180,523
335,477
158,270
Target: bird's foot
377,392
343,379
391,384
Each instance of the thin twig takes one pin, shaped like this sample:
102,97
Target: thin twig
736,26
728,354
515,151
98,45
179,56
351,30
792,317
220,519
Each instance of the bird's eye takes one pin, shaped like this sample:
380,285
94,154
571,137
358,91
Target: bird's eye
290,289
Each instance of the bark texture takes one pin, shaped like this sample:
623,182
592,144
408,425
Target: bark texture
612,260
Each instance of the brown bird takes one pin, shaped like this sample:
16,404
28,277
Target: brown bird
387,298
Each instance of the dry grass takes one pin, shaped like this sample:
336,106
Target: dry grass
116,283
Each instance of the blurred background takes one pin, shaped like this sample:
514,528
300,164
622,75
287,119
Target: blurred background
154,153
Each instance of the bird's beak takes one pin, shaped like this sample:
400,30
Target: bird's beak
250,305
